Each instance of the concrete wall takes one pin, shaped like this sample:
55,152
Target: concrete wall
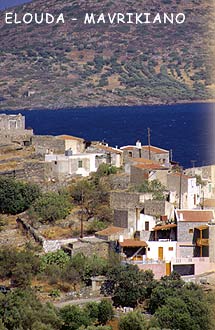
159,270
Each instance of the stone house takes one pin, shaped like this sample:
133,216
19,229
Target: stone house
153,153
12,130
144,171
184,191
193,232
127,207
48,144
75,144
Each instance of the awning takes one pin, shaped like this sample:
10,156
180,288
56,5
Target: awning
165,227
132,243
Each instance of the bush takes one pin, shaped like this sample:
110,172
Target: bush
16,196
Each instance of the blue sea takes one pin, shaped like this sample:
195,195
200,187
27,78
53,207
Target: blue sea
187,129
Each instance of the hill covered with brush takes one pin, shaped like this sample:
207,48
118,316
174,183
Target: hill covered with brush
75,64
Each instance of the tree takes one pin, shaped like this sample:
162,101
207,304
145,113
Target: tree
19,266
105,312
50,207
16,196
127,285
59,258
22,310
175,315
154,187
133,321
90,195
74,317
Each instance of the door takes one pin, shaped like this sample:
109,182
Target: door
160,253
168,268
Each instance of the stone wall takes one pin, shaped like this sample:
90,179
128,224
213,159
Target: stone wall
119,182
187,235
47,143
138,175
36,172
158,208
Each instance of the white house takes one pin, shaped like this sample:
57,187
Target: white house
78,164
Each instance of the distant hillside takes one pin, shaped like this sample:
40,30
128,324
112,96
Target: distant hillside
70,65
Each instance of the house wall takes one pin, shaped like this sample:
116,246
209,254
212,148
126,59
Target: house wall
189,189
115,159
77,146
157,208
167,246
138,175
159,270
142,221
69,165
162,158
187,235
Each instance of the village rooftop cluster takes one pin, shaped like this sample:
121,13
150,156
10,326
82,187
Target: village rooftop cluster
174,233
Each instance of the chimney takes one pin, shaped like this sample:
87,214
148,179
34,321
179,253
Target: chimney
138,144
181,218
121,239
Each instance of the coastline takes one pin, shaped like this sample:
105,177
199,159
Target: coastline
206,101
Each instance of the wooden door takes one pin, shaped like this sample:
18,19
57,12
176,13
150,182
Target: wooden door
160,253
168,268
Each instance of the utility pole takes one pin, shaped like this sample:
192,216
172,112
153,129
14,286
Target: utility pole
82,211
180,188
149,142
171,155
193,163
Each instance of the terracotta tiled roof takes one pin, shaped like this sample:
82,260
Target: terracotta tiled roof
132,243
149,166
184,176
195,215
168,226
110,149
143,160
128,148
69,137
155,150
110,231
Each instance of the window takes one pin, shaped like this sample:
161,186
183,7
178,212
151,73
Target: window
55,162
130,154
170,248
190,231
80,164
147,226
148,249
